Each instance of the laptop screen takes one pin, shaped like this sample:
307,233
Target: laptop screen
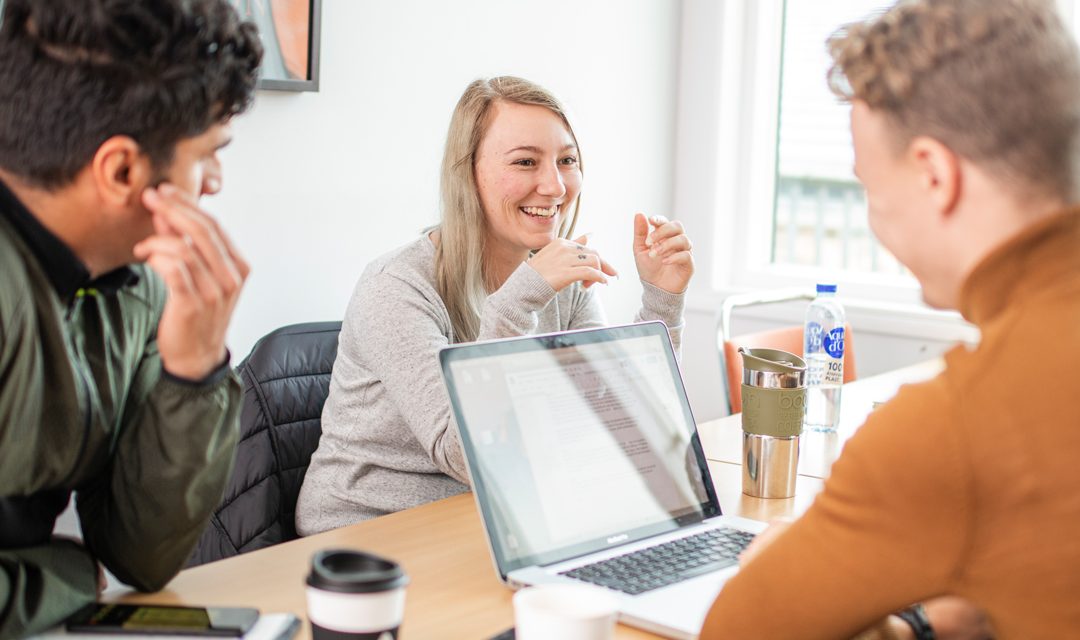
577,441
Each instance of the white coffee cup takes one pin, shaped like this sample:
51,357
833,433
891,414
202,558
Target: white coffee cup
353,595
565,611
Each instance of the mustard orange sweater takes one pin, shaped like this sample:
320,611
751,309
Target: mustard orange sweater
968,484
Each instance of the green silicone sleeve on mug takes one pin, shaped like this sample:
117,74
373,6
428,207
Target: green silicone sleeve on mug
773,412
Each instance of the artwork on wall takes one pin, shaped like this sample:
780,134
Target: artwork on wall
289,31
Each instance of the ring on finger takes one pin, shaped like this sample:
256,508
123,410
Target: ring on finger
188,241
582,256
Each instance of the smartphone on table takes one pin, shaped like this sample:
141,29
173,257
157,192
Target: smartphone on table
101,617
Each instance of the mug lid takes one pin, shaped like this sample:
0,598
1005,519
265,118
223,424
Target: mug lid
350,571
772,369
772,360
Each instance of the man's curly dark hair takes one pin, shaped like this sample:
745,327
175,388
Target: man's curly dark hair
74,73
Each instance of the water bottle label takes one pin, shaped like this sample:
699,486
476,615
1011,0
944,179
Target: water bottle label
834,342
813,336
834,372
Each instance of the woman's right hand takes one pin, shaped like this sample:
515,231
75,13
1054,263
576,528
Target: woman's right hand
564,262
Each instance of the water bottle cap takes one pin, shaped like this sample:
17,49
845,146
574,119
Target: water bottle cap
826,288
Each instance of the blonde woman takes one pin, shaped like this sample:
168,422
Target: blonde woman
500,264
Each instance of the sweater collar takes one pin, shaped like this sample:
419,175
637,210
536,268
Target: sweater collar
1039,256
66,273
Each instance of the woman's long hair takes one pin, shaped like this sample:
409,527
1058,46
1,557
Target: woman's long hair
460,269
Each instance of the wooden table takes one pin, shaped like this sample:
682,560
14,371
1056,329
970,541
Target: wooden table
722,438
454,592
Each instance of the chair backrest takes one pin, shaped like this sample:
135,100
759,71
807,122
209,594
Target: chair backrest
788,339
286,378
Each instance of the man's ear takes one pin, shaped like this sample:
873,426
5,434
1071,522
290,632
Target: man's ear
939,172
121,171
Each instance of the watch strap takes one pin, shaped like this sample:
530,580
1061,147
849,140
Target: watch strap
915,617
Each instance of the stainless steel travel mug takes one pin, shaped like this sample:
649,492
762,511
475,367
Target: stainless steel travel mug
774,397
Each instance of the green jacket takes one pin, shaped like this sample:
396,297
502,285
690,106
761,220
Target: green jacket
85,407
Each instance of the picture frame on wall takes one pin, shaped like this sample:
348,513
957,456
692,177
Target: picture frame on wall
289,31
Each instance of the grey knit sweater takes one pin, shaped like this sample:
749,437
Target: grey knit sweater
389,441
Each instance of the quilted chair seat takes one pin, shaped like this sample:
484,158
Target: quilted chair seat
286,379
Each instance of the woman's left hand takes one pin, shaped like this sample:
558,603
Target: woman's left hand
663,256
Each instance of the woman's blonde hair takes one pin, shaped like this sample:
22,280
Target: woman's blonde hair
997,81
461,275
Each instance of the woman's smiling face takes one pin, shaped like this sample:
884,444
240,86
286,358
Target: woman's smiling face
527,175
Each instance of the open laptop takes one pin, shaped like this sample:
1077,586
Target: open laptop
586,466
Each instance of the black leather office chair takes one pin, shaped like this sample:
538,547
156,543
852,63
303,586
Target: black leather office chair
286,378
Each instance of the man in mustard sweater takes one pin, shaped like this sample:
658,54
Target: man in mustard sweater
115,290
965,489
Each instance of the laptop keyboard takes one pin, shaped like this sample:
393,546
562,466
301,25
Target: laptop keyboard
667,563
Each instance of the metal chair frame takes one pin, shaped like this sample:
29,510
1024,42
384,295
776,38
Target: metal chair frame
751,299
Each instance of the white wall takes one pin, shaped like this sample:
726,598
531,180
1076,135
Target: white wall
318,184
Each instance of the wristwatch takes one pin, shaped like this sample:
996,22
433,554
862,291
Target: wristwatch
915,616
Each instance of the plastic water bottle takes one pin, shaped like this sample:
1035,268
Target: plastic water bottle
823,350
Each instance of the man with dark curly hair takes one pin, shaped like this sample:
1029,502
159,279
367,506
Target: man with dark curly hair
962,492
116,290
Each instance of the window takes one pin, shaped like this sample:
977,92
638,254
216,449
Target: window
738,174
819,208
763,174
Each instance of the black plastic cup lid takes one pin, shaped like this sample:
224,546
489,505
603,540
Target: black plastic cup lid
348,571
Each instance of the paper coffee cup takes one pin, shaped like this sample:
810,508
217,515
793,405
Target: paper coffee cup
354,595
565,611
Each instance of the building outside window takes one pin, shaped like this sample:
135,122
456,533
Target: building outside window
819,208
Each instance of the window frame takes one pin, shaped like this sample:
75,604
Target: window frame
726,153
749,99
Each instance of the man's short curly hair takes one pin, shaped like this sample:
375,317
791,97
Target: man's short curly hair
74,73
997,81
